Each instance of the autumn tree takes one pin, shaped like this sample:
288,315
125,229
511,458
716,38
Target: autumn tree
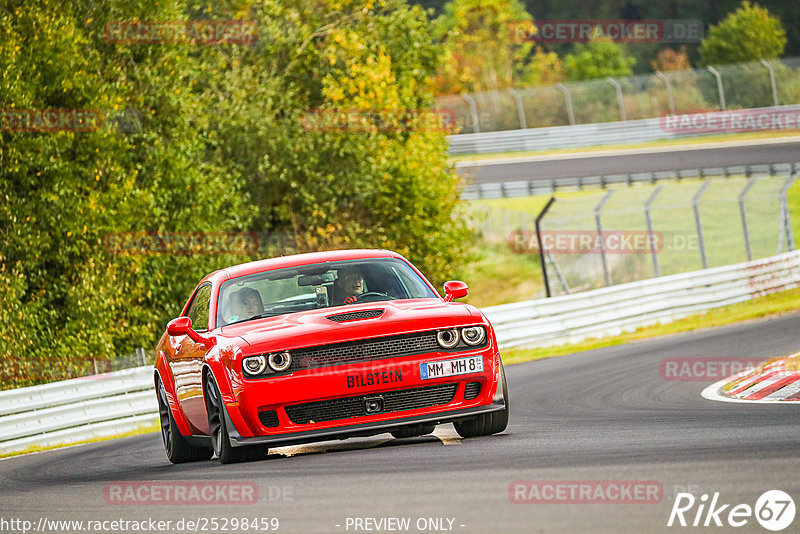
487,44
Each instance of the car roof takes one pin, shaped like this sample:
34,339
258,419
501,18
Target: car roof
295,260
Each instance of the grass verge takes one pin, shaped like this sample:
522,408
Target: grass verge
144,429
766,306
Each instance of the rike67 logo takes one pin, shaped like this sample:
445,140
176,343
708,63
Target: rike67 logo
774,510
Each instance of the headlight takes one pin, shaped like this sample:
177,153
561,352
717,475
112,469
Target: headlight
447,338
280,361
254,365
473,335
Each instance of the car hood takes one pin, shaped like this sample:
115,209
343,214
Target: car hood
310,328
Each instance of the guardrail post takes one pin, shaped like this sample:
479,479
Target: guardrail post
620,101
670,96
743,215
568,101
696,207
786,219
772,81
648,206
716,74
473,110
140,355
520,109
598,223
539,242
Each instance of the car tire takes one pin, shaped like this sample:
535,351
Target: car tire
487,423
411,431
178,449
220,439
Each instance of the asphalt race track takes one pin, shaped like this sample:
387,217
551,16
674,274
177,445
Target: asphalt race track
644,160
605,415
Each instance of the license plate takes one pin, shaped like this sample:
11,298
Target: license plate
460,366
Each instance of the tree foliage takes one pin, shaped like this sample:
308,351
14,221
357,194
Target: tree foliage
203,139
750,33
486,46
599,58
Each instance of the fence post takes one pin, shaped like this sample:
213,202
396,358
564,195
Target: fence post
696,207
568,100
598,223
650,233
670,96
539,242
716,74
772,81
743,215
620,101
785,217
520,109
473,110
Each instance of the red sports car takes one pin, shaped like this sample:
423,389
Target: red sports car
323,346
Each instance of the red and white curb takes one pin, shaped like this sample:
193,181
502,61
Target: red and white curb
772,383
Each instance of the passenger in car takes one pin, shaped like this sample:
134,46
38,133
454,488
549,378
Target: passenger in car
245,303
348,285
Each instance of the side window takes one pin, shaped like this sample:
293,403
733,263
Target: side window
198,311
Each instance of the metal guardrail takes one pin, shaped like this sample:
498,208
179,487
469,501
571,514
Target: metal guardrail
105,405
579,135
544,186
78,409
612,310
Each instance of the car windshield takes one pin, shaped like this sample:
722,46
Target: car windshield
321,285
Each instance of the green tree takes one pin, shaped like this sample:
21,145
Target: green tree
65,298
749,33
599,58
357,184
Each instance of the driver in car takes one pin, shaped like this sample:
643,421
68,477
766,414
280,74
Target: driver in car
348,285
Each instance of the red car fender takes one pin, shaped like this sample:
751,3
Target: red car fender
226,378
163,373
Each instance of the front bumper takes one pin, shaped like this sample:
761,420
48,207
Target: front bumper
364,429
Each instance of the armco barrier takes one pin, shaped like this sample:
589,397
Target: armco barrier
579,135
78,409
612,310
113,403
544,186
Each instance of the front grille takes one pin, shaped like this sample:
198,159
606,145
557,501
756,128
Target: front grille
268,418
393,401
354,316
360,351
472,390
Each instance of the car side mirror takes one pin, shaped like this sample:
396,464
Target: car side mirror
182,326
455,289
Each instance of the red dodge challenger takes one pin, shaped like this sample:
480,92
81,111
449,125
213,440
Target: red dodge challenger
323,346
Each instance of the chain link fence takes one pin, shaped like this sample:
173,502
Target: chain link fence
717,88
595,239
